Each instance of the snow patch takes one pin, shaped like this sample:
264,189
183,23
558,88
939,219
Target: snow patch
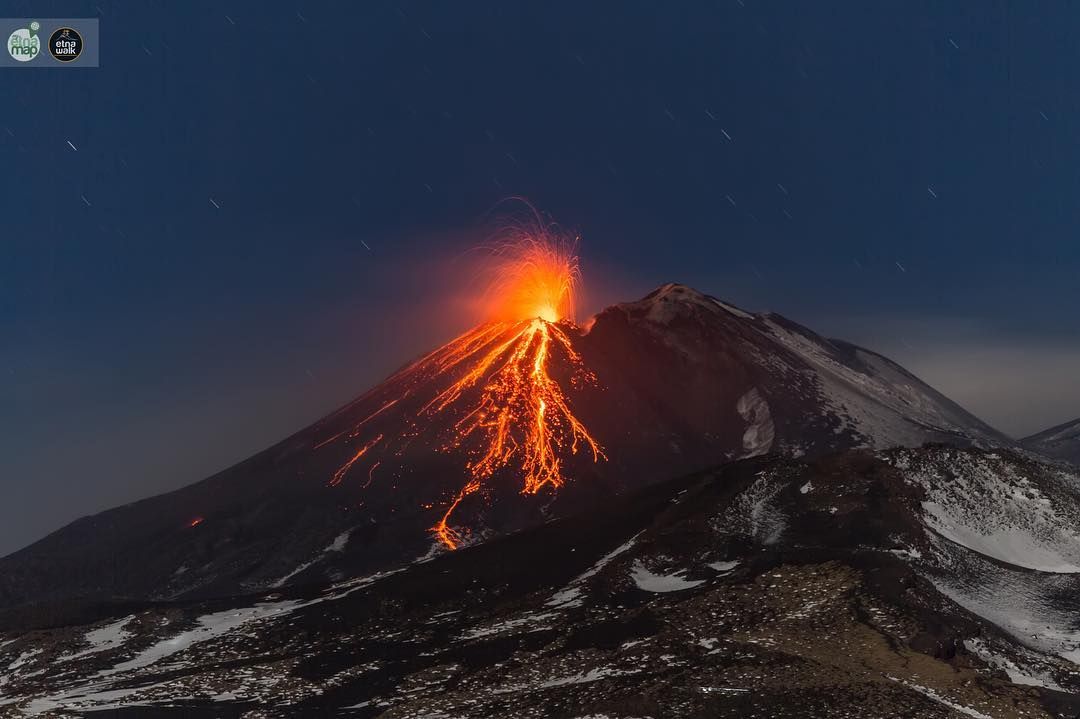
1016,675
510,625
570,596
907,553
210,627
281,582
338,545
592,675
759,435
651,582
23,658
928,692
103,639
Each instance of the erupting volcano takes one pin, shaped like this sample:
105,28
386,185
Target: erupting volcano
507,411
524,419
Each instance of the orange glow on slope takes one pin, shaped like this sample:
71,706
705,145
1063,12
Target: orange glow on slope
344,469
355,430
507,411
195,522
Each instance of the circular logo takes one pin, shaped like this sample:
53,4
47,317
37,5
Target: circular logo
24,44
66,44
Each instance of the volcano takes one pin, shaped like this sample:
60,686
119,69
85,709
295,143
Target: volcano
515,423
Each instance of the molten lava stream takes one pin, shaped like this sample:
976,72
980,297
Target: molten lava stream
344,469
522,416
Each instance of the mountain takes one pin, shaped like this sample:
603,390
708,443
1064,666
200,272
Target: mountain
506,427
1061,442
935,582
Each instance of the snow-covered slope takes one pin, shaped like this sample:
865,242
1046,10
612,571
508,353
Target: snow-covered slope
802,386
1023,514
1061,442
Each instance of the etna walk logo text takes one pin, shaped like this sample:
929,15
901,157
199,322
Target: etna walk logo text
65,44
24,44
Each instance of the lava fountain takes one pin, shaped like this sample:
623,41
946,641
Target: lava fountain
522,415
507,411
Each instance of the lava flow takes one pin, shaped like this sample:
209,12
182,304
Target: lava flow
522,415
507,410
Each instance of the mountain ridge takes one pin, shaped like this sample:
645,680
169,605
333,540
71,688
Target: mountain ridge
1059,442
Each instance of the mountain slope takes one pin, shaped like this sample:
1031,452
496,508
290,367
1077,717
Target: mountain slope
667,385
1061,442
850,585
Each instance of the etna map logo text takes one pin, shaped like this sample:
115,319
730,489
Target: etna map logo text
24,44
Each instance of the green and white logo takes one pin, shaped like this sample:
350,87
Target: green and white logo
24,44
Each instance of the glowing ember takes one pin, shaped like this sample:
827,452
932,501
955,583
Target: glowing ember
535,275
340,474
507,411
195,522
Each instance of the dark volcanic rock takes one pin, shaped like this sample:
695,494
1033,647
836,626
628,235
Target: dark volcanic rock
855,584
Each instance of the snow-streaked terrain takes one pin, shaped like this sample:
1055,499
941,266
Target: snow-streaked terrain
730,591
1024,515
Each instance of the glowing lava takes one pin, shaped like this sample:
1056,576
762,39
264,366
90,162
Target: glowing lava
507,411
535,275
343,470
521,415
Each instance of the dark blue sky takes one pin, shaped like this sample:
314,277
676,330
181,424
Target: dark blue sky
787,156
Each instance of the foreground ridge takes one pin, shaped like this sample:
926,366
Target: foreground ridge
853,585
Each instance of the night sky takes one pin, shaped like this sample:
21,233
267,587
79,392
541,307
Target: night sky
190,279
